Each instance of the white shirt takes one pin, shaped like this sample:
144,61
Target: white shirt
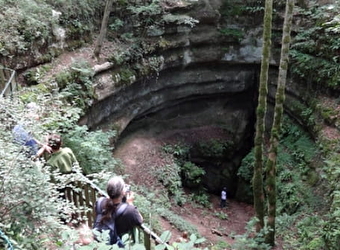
223,195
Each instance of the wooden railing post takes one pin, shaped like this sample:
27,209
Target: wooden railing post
10,86
2,78
147,241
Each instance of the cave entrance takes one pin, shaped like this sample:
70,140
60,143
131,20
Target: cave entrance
217,129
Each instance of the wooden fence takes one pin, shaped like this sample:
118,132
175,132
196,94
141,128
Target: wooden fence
83,194
7,81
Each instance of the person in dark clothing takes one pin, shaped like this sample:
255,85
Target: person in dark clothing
129,217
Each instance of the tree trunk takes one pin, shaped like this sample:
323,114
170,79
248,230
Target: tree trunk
260,118
276,128
103,28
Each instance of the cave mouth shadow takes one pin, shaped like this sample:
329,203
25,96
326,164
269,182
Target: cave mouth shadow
218,129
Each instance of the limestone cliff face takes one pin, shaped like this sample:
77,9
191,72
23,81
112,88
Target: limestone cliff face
195,62
206,79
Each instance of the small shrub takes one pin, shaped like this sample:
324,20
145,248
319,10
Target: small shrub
246,170
221,215
63,78
177,221
127,76
169,176
221,245
213,148
92,149
192,174
250,239
178,150
117,24
236,34
202,198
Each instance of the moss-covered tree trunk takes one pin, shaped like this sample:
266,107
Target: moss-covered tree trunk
258,191
103,28
276,128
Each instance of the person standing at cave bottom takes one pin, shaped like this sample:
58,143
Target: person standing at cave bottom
223,198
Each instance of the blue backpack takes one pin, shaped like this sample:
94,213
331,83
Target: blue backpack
109,225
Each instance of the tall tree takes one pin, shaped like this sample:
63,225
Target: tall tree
103,28
258,191
276,128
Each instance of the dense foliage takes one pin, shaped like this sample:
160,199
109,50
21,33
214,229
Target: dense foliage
301,192
29,203
315,50
26,23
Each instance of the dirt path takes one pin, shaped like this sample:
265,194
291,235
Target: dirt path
140,153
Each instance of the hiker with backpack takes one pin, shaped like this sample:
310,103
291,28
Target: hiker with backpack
115,215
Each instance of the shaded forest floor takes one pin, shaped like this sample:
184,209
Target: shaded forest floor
140,153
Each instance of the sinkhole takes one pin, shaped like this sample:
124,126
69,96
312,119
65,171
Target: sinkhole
214,132
209,109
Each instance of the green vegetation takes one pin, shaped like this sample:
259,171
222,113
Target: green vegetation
249,242
214,148
29,203
236,34
169,176
314,49
295,171
221,215
188,173
299,195
26,23
232,8
192,174
180,20
201,197
76,85
93,149
29,200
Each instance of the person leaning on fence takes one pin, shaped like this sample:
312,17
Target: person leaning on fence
24,137
61,158
115,215
58,157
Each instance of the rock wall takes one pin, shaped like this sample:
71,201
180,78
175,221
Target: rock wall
196,61
207,81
